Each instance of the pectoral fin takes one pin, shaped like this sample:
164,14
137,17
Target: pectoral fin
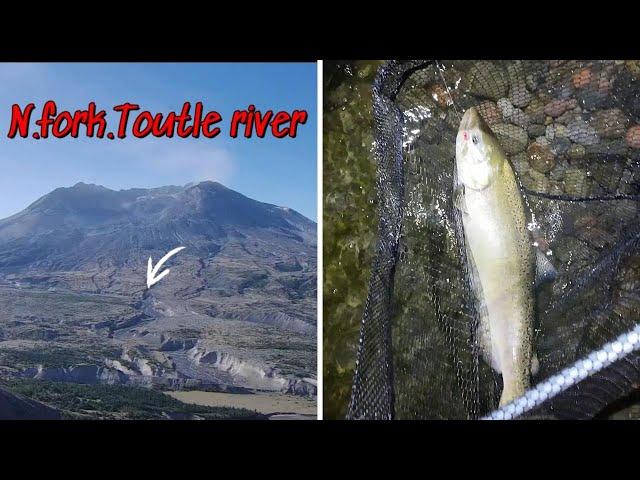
545,271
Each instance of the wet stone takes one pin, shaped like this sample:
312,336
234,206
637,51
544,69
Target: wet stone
519,118
566,117
608,149
537,183
610,123
555,108
579,131
575,182
633,66
512,138
520,163
607,174
536,130
633,137
488,80
515,72
560,145
519,95
582,78
535,110
540,158
490,112
576,152
554,131
506,108
542,140
555,188
591,100
535,78
557,173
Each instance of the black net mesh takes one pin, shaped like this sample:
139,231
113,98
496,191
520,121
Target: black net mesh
571,130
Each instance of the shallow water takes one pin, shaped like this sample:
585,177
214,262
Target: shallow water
349,221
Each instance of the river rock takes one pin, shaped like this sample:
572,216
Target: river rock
608,148
567,117
558,172
535,77
540,158
536,182
610,123
488,80
536,130
560,145
633,66
607,174
535,110
581,132
555,188
550,132
575,182
557,107
591,100
576,152
490,112
582,78
515,72
520,163
633,136
519,118
506,108
542,140
512,138
519,95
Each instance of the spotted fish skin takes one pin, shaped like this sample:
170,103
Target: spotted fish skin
499,251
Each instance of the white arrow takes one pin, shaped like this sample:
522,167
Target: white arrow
153,271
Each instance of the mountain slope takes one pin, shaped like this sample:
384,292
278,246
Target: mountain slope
236,311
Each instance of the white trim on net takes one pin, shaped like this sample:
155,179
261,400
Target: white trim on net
593,363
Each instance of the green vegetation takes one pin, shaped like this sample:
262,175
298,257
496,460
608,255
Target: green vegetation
54,356
350,221
78,401
255,280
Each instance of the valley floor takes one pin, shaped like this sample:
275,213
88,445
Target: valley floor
288,406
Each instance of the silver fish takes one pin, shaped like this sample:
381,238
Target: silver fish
500,252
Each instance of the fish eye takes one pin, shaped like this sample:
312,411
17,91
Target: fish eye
474,139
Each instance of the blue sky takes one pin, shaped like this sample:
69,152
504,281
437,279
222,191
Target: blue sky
278,171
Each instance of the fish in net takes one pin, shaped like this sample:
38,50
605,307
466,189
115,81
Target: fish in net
571,132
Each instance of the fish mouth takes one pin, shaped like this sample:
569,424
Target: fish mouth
470,120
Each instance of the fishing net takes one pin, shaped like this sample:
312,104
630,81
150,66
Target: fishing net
571,131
